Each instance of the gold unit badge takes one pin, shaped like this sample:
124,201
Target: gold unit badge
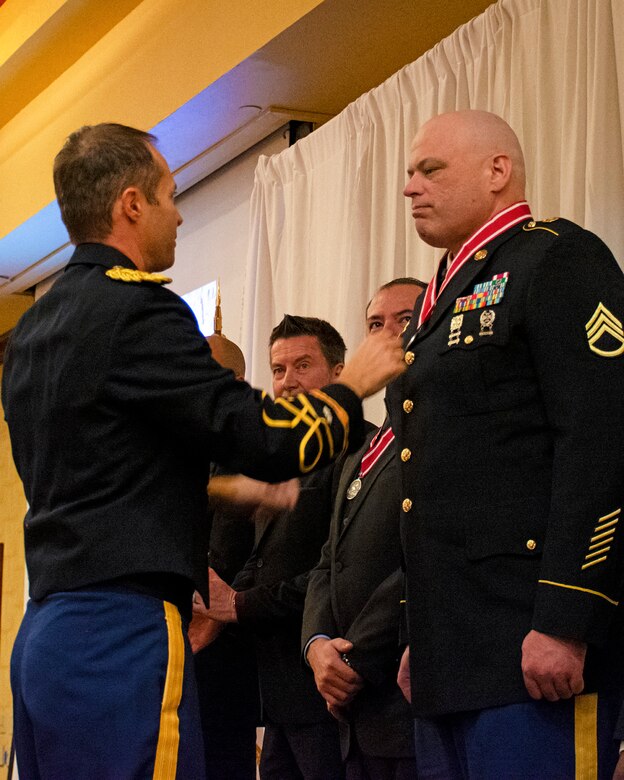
487,322
455,331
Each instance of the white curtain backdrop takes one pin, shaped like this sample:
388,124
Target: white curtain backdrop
329,223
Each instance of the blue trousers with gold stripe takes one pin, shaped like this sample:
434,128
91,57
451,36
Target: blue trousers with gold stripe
541,740
104,689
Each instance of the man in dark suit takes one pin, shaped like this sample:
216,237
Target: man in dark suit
267,597
115,410
352,612
227,678
509,421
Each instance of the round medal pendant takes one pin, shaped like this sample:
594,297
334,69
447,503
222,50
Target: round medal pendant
354,488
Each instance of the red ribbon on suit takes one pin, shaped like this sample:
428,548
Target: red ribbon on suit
380,443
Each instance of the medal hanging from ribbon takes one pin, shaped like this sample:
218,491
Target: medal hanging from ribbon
494,227
379,444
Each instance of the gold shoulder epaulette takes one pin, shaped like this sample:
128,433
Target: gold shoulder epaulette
121,274
532,225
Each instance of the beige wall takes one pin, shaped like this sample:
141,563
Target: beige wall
12,510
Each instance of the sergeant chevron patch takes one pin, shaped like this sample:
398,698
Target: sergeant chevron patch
600,543
605,327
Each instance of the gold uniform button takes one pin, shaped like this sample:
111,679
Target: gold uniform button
531,544
409,358
408,405
407,504
532,223
481,254
406,455
468,340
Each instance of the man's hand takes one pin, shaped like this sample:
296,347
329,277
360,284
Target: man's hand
403,676
340,713
336,681
552,666
245,494
202,629
376,362
222,607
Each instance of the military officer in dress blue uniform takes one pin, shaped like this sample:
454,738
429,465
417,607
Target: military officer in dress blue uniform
509,420
115,410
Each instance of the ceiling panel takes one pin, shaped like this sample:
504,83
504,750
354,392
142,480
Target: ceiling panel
328,58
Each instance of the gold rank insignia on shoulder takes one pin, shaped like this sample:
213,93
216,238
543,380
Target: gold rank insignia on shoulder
533,225
605,327
121,274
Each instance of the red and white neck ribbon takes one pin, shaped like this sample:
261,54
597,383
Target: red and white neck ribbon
498,224
378,446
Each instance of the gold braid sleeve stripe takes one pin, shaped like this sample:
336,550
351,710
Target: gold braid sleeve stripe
307,415
315,430
340,413
583,590
298,414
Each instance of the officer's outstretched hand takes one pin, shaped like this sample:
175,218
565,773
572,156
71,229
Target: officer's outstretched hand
376,362
552,666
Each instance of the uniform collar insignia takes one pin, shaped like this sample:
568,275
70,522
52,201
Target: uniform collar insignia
533,225
121,274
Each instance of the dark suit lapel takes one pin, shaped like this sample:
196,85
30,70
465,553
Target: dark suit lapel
263,520
367,483
350,469
348,474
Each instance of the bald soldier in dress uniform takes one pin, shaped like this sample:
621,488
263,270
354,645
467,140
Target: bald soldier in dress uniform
115,409
509,423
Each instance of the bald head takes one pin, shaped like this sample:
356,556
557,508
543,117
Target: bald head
227,354
464,167
480,133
